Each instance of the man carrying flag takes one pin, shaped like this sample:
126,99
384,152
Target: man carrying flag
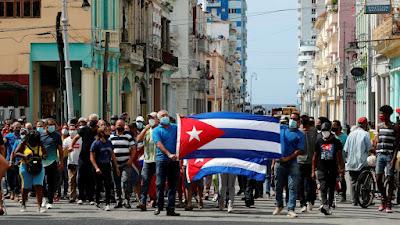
292,145
167,164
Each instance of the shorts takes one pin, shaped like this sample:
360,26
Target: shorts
29,180
383,164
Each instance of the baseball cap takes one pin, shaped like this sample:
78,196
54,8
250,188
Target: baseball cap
362,120
153,114
139,119
398,110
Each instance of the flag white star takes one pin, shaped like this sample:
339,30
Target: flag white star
194,134
198,161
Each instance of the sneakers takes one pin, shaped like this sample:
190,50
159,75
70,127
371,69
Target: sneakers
92,203
389,209
310,207
303,209
172,213
49,206
277,211
42,210
107,208
326,211
382,207
156,212
118,205
230,206
215,198
291,214
126,204
23,208
80,202
44,202
141,206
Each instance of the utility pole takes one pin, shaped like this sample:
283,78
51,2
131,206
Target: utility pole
345,77
105,77
60,48
68,77
149,80
369,74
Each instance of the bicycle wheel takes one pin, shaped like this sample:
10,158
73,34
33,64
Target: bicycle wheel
365,189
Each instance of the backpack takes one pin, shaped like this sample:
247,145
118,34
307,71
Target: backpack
34,164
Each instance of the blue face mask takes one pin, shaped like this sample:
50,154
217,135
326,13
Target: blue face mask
51,128
164,120
40,129
292,124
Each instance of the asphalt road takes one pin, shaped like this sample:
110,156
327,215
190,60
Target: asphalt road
72,214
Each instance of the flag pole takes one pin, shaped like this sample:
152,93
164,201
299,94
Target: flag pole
178,136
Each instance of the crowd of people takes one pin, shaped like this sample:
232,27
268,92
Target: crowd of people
112,164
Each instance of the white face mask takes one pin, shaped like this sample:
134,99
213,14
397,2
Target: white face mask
326,134
72,133
64,132
152,122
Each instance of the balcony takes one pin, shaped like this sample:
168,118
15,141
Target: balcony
305,58
389,48
132,53
169,59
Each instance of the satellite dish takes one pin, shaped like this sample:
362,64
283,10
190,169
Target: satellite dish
357,72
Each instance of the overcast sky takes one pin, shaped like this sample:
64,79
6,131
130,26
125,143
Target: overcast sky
272,51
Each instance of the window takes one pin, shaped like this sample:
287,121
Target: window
314,37
313,20
20,8
313,1
313,11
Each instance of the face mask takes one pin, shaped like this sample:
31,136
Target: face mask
64,132
23,136
139,125
164,120
152,122
51,128
120,129
318,127
72,133
326,134
292,124
40,129
382,118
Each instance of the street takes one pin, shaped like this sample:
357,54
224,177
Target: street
72,214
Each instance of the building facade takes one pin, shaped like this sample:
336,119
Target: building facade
30,70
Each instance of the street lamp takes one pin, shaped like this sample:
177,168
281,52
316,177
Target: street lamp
68,76
253,75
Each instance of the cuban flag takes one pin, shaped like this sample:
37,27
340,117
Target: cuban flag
252,168
228,135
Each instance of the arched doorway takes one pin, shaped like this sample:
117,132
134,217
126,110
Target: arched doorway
142,109
126,96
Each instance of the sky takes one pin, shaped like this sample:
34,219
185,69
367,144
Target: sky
272,50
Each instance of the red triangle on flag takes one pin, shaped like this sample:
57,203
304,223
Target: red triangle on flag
193,134
194,166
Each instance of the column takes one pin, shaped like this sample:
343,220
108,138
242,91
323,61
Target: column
89,92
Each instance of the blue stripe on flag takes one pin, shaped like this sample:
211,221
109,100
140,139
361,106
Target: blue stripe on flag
234,115
231,170
251,134
232,153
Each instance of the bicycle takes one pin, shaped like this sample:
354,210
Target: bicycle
366,187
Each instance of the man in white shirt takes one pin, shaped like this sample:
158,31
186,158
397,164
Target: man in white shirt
73,161
357,148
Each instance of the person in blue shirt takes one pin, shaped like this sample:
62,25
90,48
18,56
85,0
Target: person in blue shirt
167,164
52,142
287,169
12,173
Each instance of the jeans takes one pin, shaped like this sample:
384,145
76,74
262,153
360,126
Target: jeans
242,180
13,179
327,182
226,184
383,164
51,181
124,182
63,181
86,181
105,179
148,171
353,182
291,173
251,186
167,171
307,186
